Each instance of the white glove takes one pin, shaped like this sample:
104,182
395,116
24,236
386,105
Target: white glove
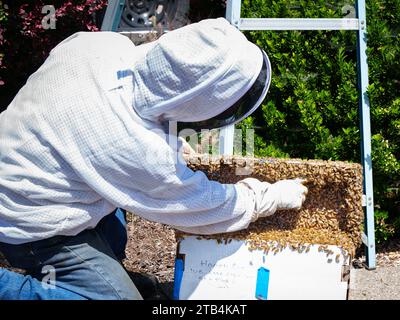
284,194
185,148
289,194
263,205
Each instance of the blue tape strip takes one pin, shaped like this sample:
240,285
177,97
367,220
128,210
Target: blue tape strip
124,73
178,274
262,284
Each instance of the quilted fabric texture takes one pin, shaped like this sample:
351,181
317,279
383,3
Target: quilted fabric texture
85,134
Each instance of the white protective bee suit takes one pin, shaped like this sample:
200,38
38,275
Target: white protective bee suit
79,138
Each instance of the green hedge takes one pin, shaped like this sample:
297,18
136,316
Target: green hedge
312,108
25,44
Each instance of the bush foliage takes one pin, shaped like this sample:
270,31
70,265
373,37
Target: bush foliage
24,42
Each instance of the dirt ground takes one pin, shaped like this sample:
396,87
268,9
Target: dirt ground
383,283
151,249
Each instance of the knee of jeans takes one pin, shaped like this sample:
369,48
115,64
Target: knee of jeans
131,294
116,292
123,288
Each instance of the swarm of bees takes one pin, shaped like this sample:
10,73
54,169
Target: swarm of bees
331,215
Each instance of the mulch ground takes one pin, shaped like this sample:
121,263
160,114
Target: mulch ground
387,254
151,249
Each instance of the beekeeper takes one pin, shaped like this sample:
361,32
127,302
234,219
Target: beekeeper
83,137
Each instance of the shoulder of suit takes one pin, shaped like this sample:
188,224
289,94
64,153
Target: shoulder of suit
94,43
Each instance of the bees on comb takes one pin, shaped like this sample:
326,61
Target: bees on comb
331,215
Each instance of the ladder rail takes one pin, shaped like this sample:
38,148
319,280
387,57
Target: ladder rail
112,16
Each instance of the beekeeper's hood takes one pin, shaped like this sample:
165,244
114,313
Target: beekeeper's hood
206,75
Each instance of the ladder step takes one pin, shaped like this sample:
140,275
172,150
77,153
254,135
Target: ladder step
364,239
364,200
298,24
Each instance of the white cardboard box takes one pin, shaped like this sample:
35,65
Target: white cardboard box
206,269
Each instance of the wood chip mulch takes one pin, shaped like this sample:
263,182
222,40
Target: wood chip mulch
387,254
151,249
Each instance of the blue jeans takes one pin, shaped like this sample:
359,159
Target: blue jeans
85,266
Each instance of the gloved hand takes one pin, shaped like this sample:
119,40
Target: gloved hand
289,194
284,194
185,148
